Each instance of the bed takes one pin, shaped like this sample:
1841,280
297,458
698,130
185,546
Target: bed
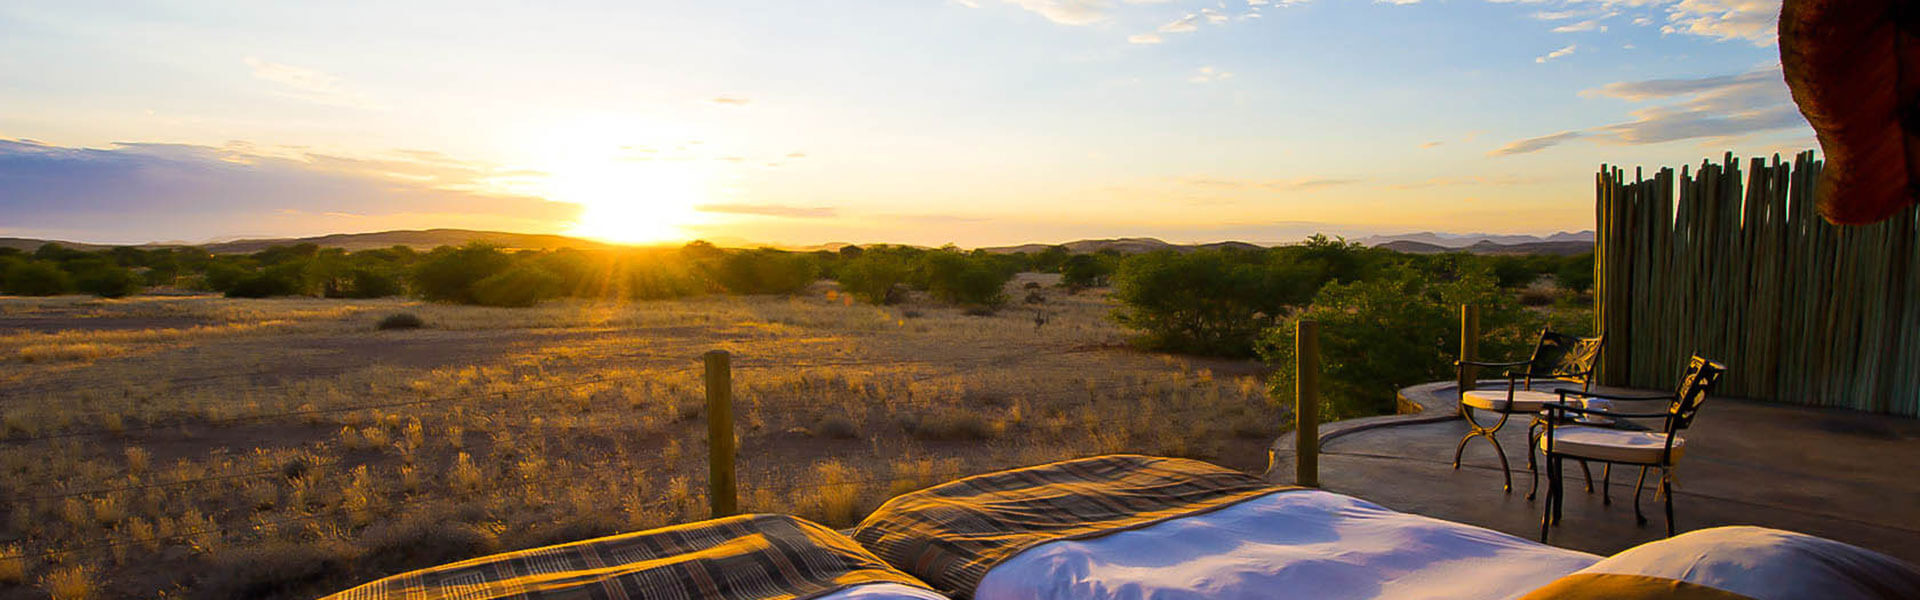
1138,527
746,557
1127,527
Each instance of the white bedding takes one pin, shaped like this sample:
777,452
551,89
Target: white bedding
882,591
1296,544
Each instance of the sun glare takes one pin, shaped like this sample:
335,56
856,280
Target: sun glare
626,197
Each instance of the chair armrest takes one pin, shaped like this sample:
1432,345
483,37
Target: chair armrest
1572,392
1482,363
1605,413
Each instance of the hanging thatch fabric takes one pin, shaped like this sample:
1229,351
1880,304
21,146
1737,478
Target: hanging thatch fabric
1854,68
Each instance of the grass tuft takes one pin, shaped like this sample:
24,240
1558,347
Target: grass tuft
401,321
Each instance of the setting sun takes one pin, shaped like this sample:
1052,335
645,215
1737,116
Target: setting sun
628,202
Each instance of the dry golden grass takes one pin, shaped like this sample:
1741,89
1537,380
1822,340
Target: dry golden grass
308,437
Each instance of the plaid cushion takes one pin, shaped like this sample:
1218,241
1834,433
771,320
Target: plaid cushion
746,557
950,535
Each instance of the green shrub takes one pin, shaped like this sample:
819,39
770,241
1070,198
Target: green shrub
1394,330
763,271
451,274
401,321
874,277
1082,271
279,280
37,278
522,285
1204,302
370,283
107,281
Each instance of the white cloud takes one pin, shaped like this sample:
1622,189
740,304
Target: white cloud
1557,53
1535,144
1144,38
1186,24
1756,21
1714,108
1068,12
1209,75
308,84
1750,20
1593,24
1396,2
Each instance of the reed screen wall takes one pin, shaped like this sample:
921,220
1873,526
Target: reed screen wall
1738,266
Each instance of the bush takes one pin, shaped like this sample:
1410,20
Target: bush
976,280
37,278
107,281
874,277
1082,271
1204,302
450,274
278,280
1395,330
401,321
764,271
520,286
369,283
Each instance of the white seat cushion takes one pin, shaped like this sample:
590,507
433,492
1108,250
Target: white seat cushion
1600,443
1524,401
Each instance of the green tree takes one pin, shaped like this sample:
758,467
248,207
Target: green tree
1575,272
107,280
448,274
1393,330
1203,302
873,277
37,278
1081,271
521,285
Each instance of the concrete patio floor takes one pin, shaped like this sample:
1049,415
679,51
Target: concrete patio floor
1837,474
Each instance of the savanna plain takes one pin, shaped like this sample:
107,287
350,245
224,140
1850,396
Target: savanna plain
198,446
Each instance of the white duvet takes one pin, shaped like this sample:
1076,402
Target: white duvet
1296,544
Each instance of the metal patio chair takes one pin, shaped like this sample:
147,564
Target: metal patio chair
1557,356
1621,442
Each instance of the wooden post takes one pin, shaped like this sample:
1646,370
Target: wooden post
1306,404
1469,346
721,493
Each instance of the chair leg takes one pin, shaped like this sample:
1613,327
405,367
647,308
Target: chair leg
1560,487
1461,448
1533,469
1589,475
1505,471
1546,508
1638,518
1666,486
1606,484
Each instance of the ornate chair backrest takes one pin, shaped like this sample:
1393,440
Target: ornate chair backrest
1695,384
1565,357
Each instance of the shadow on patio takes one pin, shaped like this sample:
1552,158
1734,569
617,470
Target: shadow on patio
1838,474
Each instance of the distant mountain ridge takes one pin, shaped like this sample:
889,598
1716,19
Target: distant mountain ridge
417,238
1464,240
1415,243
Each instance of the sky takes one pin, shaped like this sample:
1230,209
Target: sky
974,122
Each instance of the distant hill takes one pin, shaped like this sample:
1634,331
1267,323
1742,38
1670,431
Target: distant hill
1560,248
1464,240
29,244
419,239
1121,245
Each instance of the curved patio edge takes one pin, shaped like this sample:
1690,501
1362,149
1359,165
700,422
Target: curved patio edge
1418,404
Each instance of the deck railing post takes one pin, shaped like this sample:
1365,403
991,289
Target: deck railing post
1469,346
721,492
1306,404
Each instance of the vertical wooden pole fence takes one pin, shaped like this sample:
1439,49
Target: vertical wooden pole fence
1306,404
722,495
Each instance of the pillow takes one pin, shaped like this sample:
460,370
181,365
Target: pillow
1739,563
